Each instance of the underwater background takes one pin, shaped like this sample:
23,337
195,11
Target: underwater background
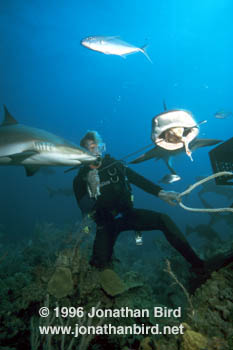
49,81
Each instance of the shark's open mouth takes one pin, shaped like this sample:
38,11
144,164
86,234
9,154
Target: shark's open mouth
175,138
174,135
174,130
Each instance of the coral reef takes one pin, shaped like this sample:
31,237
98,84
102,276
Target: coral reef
61,279
61,284
111,283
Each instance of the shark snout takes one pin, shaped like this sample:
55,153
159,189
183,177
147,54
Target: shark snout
90,158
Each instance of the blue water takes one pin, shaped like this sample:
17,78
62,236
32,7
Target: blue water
49,81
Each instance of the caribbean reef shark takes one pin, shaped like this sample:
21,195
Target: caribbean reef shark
53,192
210,186
33,148
174,132
161,153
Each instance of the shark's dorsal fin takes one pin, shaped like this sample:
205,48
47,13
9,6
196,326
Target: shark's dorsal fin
164,106
8,119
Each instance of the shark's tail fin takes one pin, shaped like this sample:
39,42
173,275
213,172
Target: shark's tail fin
189,230
51,191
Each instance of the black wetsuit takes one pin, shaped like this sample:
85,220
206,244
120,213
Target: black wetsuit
114,212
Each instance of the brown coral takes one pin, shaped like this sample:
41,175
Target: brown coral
61,283
111,283
193,340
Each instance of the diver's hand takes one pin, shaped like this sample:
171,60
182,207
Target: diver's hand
171,197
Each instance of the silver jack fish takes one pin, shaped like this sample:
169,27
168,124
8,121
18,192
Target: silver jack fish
53,192
112,45
223,114
33,148
170,178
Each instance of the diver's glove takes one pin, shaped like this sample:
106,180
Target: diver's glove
171,197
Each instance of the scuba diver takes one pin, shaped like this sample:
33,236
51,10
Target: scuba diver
102,190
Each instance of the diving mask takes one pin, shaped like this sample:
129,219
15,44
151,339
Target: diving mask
96,149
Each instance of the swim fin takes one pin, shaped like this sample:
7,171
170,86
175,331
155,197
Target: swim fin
202,274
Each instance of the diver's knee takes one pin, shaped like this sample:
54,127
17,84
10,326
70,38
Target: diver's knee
164,218
96,263
99,262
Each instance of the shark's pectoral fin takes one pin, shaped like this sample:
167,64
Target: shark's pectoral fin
198,143
19,157
153,153
31,169
73,168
